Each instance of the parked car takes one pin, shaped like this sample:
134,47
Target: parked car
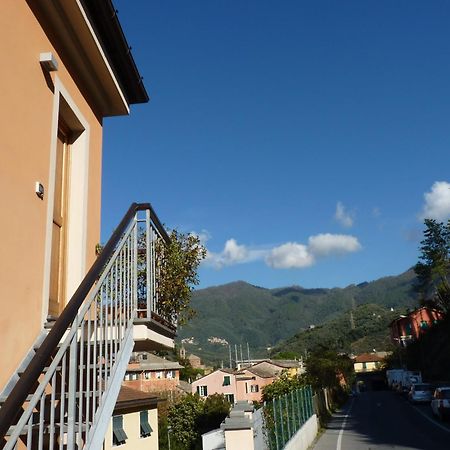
420,393
440,403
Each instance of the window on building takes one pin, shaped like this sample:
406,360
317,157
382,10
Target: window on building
229,398
202,391
119,435
131,376
254,388
147,375
226,380
159,375
170,374
364,365
146,429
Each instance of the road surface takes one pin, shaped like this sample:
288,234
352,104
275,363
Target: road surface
384,420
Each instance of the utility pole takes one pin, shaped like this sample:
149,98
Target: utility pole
248,353
229,348
352,321
240,345
235,351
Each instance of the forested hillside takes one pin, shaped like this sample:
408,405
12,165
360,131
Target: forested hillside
361,329
238,313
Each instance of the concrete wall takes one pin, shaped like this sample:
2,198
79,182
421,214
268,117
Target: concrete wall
305,436
214,440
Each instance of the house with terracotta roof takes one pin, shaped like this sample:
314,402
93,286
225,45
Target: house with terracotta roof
134,424
369,362
151,373
247,383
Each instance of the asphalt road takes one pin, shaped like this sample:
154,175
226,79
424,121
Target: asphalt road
384,420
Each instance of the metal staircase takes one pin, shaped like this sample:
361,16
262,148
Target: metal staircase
65,396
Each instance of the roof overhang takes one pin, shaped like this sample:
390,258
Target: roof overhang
80,46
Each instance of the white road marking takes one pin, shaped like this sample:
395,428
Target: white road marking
339,440
442,427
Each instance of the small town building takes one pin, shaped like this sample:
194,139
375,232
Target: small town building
368,362
150,373
134,424
221,381
411,326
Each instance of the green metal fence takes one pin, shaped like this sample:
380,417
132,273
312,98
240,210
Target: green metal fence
285,415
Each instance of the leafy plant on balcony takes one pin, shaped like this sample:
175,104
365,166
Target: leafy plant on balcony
177,269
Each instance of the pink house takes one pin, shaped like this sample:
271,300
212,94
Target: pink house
245,384
221,381
250,381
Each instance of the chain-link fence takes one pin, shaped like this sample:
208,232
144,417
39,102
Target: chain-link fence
284,416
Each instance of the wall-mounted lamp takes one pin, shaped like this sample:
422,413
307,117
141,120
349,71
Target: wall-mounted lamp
39,189
48,62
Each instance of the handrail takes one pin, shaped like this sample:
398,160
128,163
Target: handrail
18,395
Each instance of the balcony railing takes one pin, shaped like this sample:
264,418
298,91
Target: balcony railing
65,397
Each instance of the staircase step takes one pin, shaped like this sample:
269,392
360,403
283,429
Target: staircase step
57,427
57,396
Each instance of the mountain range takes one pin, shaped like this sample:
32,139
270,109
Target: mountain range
238,313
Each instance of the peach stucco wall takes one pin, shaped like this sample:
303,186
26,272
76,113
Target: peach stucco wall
27,133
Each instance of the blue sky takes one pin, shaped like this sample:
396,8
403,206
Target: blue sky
304,141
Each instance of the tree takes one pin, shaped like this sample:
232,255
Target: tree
433,267
326,368
191,416
215,409
177,269
282,385
183,419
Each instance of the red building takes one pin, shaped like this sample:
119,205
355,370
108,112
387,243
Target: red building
409,327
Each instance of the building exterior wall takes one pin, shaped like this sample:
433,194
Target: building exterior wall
244,385
214,383
369,366
414,324
131,426
153,383
28,130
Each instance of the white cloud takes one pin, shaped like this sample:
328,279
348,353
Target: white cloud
437,202
345,218
233,253
289,255
332,244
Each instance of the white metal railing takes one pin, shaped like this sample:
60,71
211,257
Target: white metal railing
76,393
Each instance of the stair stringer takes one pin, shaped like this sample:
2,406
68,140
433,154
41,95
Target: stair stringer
106,408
